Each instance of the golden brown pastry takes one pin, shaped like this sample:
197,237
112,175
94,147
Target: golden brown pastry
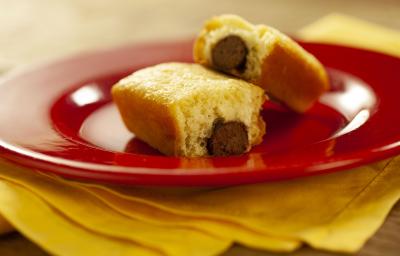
264,56
188,110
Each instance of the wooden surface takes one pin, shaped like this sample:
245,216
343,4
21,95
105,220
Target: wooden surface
36,30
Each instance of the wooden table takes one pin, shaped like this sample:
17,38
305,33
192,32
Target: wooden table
36,30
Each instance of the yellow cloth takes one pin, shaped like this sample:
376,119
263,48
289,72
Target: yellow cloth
346,30
337,212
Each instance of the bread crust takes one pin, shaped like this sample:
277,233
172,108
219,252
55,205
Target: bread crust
153,123
277,64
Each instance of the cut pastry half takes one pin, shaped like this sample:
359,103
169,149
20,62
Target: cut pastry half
264,56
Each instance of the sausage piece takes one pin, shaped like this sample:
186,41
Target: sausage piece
229,53
228,138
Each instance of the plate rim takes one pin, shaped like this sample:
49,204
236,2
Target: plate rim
41,161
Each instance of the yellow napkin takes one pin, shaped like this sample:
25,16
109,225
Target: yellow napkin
337,212
345,30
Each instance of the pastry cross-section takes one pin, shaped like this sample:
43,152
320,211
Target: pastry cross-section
264,56
188,110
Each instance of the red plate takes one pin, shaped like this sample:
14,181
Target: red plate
59,118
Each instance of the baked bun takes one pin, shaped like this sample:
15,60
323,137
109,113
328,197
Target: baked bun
264,56
188,110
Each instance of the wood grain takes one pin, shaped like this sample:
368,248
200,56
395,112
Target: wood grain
36,30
